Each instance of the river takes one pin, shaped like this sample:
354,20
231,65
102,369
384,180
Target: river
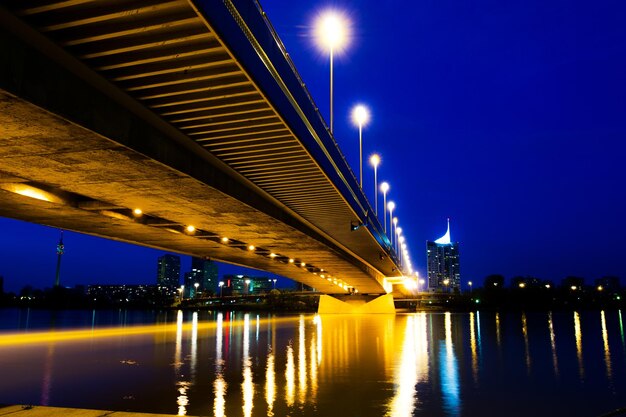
248,364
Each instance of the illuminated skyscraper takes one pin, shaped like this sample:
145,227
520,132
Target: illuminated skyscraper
168,271
443,264
204,273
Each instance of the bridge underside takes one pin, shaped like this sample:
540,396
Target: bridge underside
93,182
192,112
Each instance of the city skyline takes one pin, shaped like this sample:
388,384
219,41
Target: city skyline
521,121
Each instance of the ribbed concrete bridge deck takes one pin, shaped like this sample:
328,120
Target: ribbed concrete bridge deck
192,112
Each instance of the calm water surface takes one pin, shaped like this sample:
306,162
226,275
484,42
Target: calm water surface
247,364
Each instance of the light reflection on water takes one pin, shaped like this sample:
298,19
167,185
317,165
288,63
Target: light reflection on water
248,364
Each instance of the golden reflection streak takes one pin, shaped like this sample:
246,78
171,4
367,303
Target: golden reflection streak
181,400
247,386
53,336
526,343
301,361
555,362
219,385
605,339
473,348
318,334
290,371
404,399
498,339
194,344
422,346
579,344
313,371
270,383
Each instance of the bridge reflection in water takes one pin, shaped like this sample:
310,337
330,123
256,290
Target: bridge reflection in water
248,364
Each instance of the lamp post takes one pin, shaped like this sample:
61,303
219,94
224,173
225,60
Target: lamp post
398,233
274,283
360,116
195,293
375,161
331,31
384,187
221,285
394,221
182,292
391,206
445,283
470,285
247,286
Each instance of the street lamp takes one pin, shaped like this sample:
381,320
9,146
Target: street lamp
360,116
332,33
195,294
398,233
221,285
247,286
391,207
384,187
375,161
445,283
470,285
274,282
182,291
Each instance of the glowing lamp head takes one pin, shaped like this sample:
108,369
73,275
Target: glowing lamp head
190,229
224,239
395,221
391,206
375,160
360,115
384,187
399,232
137,212
251,247
332,31
401,240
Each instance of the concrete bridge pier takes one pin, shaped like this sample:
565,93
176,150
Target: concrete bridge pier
356,304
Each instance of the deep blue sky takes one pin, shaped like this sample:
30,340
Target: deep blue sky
507,117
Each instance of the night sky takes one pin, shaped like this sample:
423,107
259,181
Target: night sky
507,117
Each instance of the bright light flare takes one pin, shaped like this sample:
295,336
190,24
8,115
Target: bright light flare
190,229
332,31
375,161
360,115
384,187
391,207
32,192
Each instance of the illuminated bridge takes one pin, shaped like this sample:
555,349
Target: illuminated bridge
192,112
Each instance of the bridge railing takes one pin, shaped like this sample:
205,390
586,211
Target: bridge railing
372,221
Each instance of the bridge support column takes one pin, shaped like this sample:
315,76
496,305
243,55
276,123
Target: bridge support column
356,305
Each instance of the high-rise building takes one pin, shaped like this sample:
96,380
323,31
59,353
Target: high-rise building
443,264
168,271
244,285
204,273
